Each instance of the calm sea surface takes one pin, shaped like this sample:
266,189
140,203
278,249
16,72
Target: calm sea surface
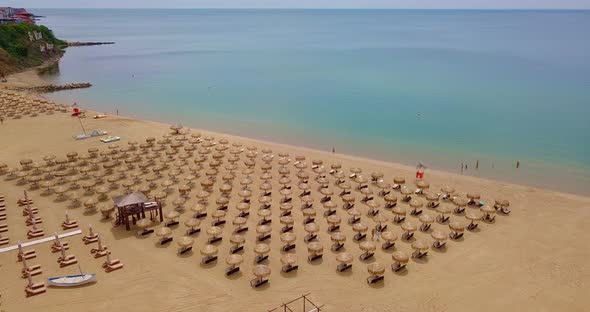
442,87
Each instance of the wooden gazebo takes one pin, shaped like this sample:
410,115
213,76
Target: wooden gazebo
135,205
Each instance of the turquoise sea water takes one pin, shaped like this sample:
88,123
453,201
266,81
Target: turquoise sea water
442,87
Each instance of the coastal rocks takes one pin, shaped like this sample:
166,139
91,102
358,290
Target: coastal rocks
54,88
82,44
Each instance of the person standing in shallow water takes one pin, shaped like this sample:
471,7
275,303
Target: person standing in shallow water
517,164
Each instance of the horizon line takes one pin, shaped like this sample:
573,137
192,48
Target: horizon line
327,8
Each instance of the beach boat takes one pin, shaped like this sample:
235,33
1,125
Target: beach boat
110,139
72,280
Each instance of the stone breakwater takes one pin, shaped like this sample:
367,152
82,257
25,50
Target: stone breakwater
82,44
54,88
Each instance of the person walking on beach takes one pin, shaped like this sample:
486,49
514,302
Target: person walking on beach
333,150
476,164
420,171
117,112
517,164
1,120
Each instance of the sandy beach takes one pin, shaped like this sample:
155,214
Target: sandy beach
533,259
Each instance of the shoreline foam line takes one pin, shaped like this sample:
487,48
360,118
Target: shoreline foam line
42,240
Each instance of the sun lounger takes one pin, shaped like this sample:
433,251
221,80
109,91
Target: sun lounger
366,255
27,255
419,254
387,245
263,237
68,262
438,244
288,247
407,236
35,233
343,267
333,228
113,267
232,270
337,246
29,291
58,248
236,249
455,235
310,237
396,267
208,259
214,240
260,258
359,237
257,282
287,228
375,279
289,268
32,272
312,258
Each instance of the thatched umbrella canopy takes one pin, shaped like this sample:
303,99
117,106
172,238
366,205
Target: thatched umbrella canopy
438,235
330,205
263,229
398,210
400,256
473,196
237,239
380,218
287,220
288,237
309,212
376,268
338,237
315,247
264,213
289,259
426,218
421,184
164,232
486,209
360,227
348,198
409,226
242,206
474,215
367,246
209,250
144,223
214,231
239,221
354,212
388,236
234,259
457,226
460,202
415,203
447,189
261,249
399,180
334,219
185,241
261,271
390,198
192,223
419,245
344,257
312,228
406,191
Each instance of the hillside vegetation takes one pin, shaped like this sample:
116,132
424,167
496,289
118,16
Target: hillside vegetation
17,52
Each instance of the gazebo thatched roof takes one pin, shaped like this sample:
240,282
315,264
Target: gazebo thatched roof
128,200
